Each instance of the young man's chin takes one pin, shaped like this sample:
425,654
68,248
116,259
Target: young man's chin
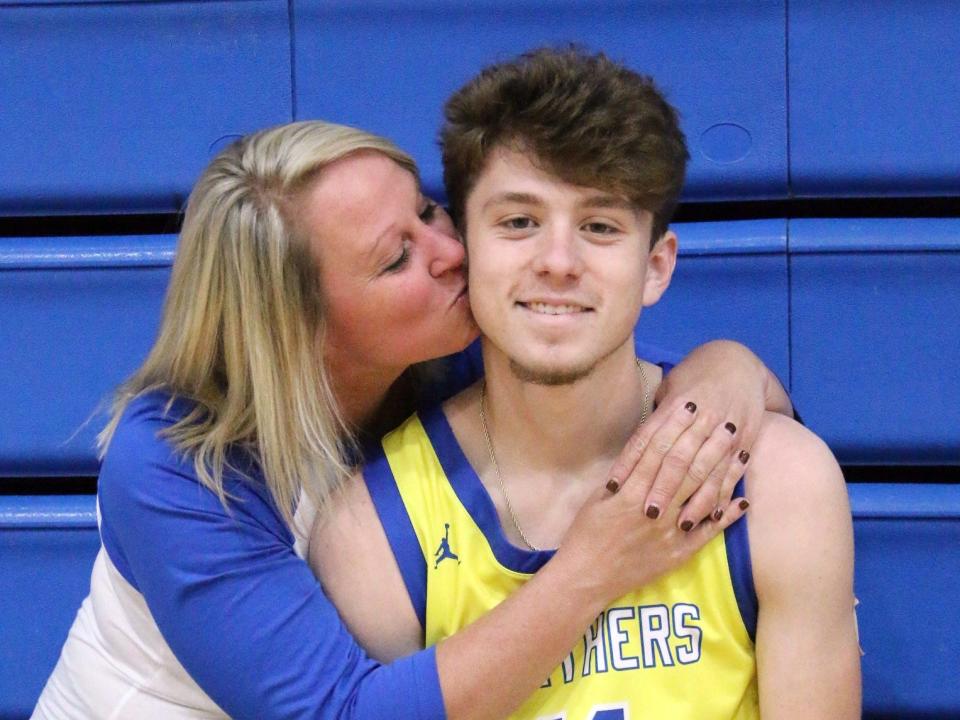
550,376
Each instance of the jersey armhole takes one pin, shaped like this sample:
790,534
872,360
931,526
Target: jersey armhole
398,528
737,541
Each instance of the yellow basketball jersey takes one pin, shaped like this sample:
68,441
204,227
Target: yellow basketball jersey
680,648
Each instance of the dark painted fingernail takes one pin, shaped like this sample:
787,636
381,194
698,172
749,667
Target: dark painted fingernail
744,504
717,514
686,525
731,428
743,457
690,407
613,486
653,512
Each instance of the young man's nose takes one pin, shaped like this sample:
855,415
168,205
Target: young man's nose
557,252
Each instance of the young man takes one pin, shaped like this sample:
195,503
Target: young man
563,170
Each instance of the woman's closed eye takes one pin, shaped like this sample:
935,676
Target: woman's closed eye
401,260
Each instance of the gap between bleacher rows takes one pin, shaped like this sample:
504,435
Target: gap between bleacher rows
854,207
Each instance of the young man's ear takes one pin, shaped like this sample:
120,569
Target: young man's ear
660,264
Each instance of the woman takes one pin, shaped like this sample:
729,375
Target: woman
295,310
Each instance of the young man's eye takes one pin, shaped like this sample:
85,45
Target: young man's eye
599,228
400,262
518,223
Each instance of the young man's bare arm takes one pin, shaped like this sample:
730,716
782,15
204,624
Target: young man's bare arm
351,556
801,543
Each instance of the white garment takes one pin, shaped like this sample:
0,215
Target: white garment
115,663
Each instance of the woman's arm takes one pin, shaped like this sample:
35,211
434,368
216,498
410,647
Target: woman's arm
240,611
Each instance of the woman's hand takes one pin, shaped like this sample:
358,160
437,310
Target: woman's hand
612,548
696,444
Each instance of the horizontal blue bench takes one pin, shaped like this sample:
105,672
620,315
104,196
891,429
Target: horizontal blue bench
83,312
47,547
117,106
874,98
875,337
731,281
78,316
854,315
166,84
907,580
908,583
864,90
389,66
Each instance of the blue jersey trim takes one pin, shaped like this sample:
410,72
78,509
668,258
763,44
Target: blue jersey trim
737,540
398,528
474,496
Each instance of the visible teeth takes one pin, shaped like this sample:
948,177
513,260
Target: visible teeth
554,309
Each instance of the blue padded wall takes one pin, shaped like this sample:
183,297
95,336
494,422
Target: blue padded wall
908,581
79,315
47,547
730,282
875,337
874,97
387,66
117,106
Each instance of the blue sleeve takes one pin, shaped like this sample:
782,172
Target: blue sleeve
466,367
240,610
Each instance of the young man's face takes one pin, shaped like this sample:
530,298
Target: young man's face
558,273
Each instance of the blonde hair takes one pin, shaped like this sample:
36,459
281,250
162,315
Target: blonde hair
243,320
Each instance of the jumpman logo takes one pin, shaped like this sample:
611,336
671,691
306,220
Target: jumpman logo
443,552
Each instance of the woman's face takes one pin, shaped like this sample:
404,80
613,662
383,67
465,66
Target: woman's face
391,266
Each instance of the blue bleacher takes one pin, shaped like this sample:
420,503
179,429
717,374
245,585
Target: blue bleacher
117,106
875,304
731,278
47,547
81,313
737,129
874,96
109,108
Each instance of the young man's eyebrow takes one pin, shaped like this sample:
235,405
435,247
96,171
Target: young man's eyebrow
613,202
513,197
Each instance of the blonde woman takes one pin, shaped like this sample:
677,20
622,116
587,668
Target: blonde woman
311,275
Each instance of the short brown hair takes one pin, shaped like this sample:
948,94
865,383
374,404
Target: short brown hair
586,119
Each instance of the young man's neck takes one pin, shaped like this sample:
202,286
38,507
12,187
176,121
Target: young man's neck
565,428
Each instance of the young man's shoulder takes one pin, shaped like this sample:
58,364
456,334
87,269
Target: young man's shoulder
789,461
799,517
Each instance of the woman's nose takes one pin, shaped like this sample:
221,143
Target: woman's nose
447,253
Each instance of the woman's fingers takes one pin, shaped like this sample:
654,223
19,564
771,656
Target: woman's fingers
640,460
709,529
708,497
736,467
682,468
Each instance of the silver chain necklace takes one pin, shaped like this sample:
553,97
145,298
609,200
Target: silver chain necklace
496,465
